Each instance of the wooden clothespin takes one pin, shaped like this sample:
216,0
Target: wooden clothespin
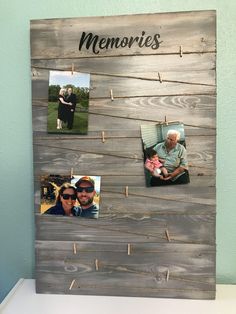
71,172
96,264
72,284
103,137
72,68
167,235
166,122
167,275
126,191
128,248
160,78
75,248
180,51
111,93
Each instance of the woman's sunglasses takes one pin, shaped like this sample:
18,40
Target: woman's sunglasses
67,196
88,189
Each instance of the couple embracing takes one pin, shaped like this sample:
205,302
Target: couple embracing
66,108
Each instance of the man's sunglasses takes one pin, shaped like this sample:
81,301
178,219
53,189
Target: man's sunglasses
67,196
88,189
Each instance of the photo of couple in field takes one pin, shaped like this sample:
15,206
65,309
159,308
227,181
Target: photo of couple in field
68,102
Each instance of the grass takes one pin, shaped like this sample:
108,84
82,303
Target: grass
80,125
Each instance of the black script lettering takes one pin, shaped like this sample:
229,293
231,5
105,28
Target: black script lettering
91,39
132,40
101,42
113,41
124,42
157,43
148,41
140,43
98,43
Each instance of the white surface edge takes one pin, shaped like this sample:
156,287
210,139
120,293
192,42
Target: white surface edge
11,293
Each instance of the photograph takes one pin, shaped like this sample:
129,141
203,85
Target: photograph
77,196
68,102
165,154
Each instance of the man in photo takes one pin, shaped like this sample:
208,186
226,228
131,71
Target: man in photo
174,158
70,98
69,120
85,187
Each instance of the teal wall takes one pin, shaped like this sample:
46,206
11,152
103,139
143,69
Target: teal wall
16,184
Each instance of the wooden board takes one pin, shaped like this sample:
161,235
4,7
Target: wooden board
157,270
153,242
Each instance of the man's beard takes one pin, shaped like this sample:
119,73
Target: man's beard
86,202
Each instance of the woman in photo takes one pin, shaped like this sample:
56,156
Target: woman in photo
62,108
65,203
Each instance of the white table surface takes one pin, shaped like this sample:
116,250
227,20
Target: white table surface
23,300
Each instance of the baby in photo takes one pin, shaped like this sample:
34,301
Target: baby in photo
154,164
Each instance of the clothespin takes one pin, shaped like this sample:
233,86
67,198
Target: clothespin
167,275
72,69
128,248
166,122
180,51
160,78
96,264
111,93
72,284
74,248
103,136
167,235
126,191
71,172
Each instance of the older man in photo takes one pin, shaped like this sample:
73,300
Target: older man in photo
175,161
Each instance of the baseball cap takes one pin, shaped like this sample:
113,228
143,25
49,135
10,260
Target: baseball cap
85,179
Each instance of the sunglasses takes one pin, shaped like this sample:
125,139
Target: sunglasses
67,196
88,189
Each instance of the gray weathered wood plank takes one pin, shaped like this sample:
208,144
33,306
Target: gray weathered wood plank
131,228
118,147
135,180
128,87
59,284
196,118
196,110
109,157
187,264
194,31
140,66
174,84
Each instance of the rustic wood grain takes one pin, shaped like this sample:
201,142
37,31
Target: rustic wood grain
196,121
177,83
59,38
129,87
129,228
108,158
143,204
153,242
48,282
141,66
140,276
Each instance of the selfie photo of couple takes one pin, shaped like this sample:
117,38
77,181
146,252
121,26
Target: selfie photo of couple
77,196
